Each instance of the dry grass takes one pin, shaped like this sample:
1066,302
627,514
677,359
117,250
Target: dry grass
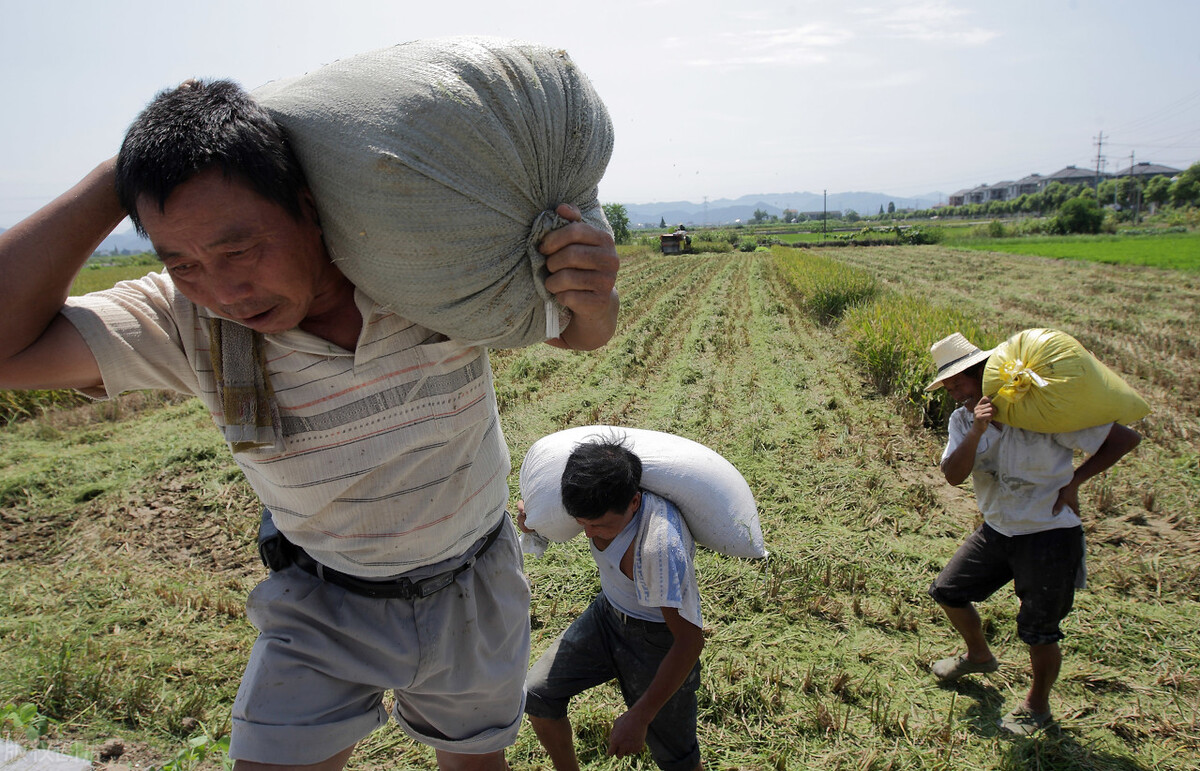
817,658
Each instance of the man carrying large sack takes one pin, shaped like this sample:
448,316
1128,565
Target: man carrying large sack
1028,492
644,629
375,442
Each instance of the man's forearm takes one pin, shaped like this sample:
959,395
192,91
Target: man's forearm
674,668
958,466
1119,442
629,730
40,256
672,672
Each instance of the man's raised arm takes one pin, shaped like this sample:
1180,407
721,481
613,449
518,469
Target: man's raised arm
39,258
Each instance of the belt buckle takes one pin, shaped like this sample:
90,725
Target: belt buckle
428,586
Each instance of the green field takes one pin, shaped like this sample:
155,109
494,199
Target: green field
801,238
91,279
1177,251
127,546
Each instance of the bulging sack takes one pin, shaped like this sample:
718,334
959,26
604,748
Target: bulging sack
436,166
1045,380
712,495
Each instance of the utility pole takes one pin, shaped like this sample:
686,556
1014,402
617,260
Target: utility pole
1099,142
824,211
1136,190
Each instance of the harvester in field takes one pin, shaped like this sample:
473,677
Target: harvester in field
675,243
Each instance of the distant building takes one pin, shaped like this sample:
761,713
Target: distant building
978,194
1072,175
1146,170
1068,175
1024,186
999,191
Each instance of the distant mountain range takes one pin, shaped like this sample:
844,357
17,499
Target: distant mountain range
722,211
131,242
725,211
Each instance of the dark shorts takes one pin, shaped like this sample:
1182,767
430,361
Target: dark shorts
597,647
1042,567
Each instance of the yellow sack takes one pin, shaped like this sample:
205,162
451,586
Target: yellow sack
1045,380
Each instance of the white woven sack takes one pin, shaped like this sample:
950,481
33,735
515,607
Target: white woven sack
711,494
436,166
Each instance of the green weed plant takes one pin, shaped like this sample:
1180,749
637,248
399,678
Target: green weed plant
891,338
19,405
198,749
24,719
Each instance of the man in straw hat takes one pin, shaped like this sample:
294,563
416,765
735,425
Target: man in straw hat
1027,489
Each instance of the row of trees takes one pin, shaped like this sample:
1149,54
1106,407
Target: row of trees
791,216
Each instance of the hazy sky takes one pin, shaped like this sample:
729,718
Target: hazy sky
709,98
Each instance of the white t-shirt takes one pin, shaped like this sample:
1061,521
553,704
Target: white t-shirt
1018,473
664,573
392,455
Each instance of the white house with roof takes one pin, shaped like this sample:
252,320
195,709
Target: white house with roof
1073,175
1146,170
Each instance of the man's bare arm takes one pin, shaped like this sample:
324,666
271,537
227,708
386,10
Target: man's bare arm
958,466
629,730
39,258
1119,442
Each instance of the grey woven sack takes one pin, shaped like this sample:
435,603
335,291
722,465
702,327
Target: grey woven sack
436,166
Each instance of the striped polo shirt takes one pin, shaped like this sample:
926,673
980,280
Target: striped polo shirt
393,456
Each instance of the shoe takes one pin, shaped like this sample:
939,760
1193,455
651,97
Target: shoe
949,670
1024,722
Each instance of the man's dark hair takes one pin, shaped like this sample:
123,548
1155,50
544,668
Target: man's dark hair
600,476
202,125
975,371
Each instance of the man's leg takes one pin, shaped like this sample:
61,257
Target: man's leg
976,570
1033,713
577,660
458,761
1046,661
967,623
640,649
289,714
557,738
1045,567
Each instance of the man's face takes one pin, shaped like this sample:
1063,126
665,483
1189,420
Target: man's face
964,389
611,524
241,256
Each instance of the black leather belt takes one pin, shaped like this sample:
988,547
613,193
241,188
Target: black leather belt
390,588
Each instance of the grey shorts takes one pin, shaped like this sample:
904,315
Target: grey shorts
1042,567
324,657
599,646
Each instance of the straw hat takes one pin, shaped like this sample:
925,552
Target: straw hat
952,355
